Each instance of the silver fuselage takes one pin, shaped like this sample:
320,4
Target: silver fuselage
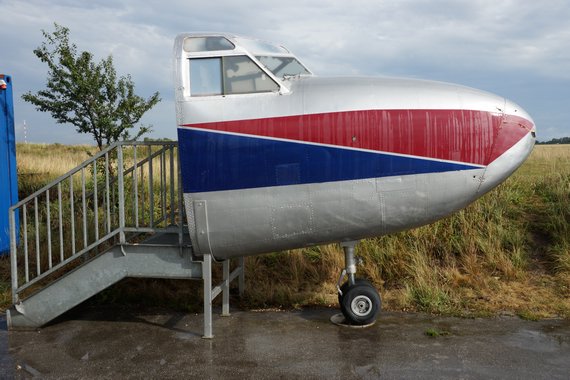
438,147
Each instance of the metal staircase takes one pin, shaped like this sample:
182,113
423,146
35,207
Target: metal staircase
119,214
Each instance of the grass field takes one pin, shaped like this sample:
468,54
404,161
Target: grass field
508,253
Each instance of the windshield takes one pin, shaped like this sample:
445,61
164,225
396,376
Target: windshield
282,67
260,47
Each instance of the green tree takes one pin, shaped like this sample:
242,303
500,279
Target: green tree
86,94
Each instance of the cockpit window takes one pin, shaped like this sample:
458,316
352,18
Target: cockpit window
199,44
242,76
283,66
236,74
206,76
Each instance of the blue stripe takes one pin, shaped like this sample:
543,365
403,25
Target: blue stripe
216,161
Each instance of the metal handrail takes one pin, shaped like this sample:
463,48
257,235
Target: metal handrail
116,202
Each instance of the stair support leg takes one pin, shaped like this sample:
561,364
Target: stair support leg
226,289
207,275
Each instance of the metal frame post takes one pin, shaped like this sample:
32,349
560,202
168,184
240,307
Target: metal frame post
121,185
226,289
13,255
207,275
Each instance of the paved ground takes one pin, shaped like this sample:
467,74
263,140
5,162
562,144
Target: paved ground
272,345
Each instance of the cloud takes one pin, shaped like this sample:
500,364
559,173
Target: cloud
515,48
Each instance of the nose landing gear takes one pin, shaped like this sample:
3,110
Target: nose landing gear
359,301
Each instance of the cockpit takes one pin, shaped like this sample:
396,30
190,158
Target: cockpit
222,65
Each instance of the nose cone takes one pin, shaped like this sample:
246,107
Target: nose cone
512,146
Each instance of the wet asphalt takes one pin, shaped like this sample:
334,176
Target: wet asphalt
303,344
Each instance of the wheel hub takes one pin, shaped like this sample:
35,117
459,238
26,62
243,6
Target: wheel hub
361,305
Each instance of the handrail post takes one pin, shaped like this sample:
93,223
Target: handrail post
181,211
13,253
121,184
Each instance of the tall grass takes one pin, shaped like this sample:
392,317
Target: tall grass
508,252
39,164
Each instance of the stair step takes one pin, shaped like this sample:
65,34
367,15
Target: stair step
92,277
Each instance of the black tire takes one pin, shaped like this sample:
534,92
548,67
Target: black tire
361,304
344,289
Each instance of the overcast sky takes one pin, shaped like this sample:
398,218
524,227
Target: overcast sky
519,49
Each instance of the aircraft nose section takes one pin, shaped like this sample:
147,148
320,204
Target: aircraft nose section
516,116
513,144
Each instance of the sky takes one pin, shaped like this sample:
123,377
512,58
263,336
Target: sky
519,49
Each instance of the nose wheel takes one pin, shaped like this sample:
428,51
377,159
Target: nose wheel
359,300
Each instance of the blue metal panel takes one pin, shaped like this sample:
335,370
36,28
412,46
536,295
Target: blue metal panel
8,174
213,161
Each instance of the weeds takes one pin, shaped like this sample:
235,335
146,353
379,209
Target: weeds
435,333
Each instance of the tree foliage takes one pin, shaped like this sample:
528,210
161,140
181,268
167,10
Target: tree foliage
86,94
562,140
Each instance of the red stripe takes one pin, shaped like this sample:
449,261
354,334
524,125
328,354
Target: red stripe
476,137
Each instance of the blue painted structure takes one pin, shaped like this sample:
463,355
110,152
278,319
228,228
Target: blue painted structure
8,174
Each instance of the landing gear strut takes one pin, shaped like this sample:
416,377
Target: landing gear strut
359,300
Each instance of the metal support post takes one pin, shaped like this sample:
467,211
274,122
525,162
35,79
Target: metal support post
13,255
121,186
226,289
207,275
